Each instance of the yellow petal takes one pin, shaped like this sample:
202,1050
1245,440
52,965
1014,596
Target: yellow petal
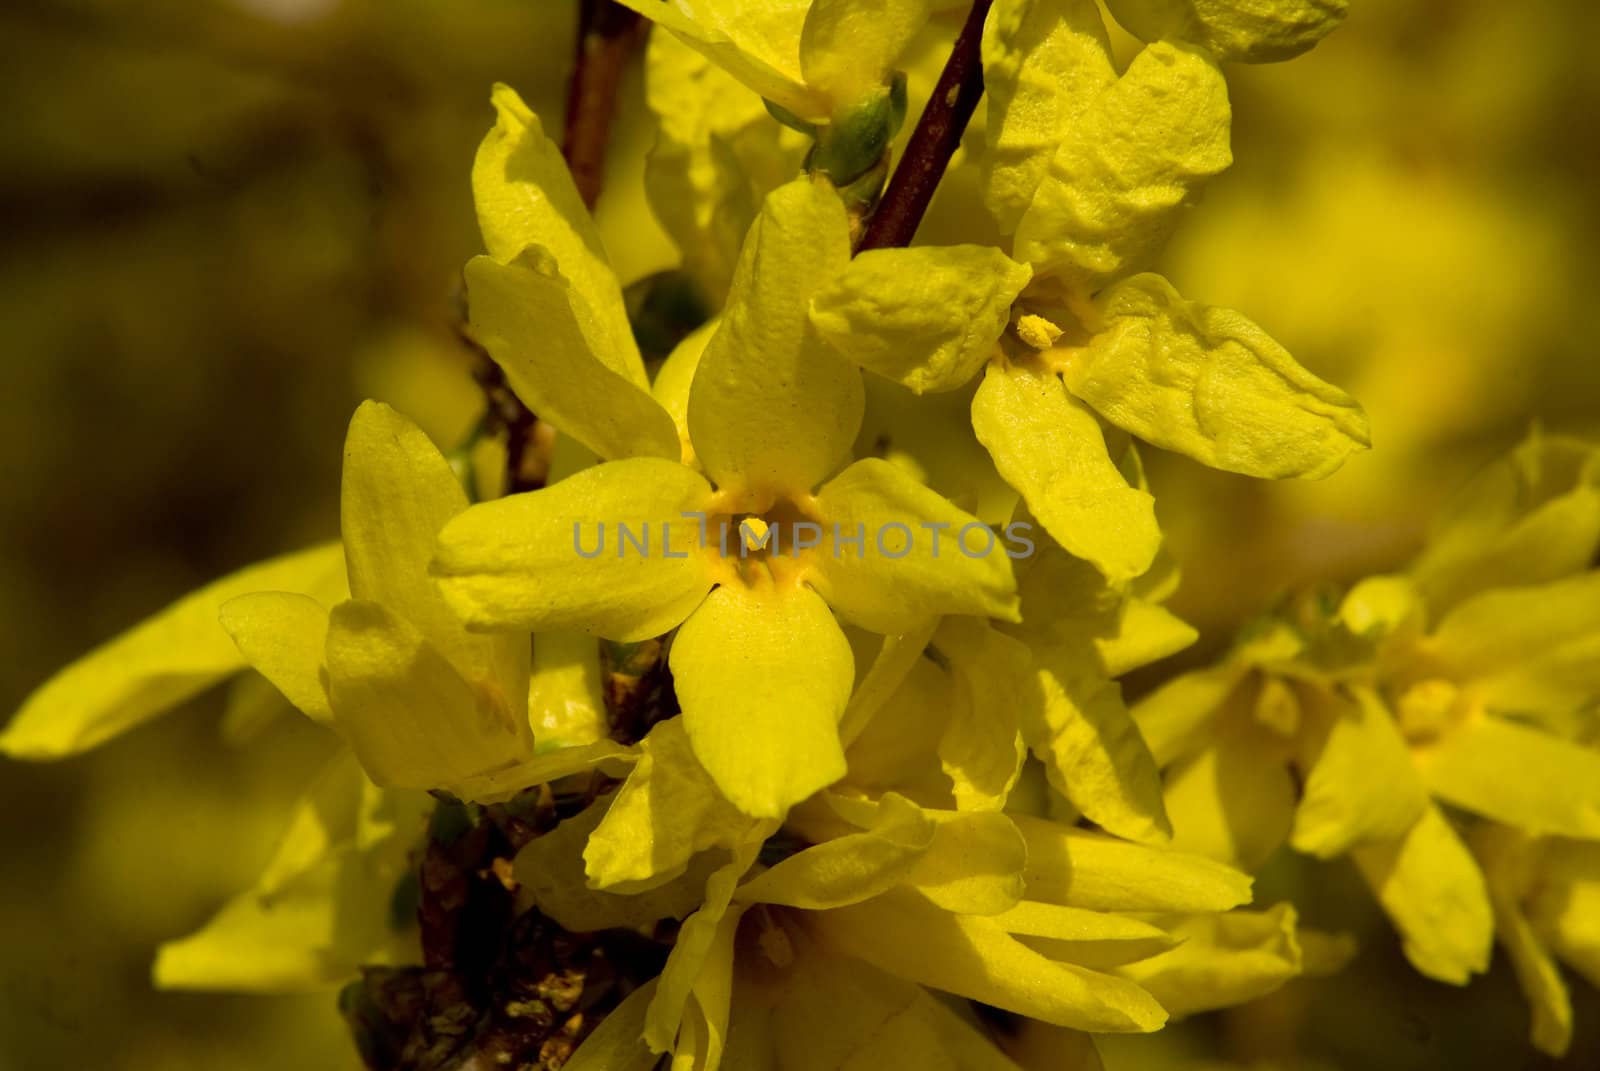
1234,32
527,314
675,378
917,557
763,677
1222,960
159,663
1075,721
897,656
1077,868
1564,906
1126,168
1526,650
1360,785
756,41
410,717
976,958
283,636
397,492
311,921
617,1044
1506,856
696,949
665,813
848,869
773,409
1177,718
1044,63
559,558
1050,448
1088,938
1434,893
839,1014
1235,800
1146,632
898,749
1208,383
981,748
499,785
1073,716
717,153
550,873
975,866
526,197
1556,793
566,700
928,318
1530,517
846,47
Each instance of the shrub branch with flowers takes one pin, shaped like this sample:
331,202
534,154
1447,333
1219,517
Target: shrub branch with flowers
782,781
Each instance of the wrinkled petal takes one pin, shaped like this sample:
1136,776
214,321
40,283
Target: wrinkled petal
773,409
918,556
1434,893
526,197
1505,854
763,677
1127,167
1208,383
1235,31
1044,63
928,318
410,717
558,558
975,866
527,314
159,663
1222,960
1050,448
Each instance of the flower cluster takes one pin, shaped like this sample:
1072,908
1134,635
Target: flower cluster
808,798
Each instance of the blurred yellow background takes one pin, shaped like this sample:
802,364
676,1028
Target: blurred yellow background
227,221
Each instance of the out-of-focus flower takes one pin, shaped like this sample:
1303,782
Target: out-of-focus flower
1343,725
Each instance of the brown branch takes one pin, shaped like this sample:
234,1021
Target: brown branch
935,139
607,32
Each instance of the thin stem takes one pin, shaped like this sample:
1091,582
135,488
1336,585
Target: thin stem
606,35
935,139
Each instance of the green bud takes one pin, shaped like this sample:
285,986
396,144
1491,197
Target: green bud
858,138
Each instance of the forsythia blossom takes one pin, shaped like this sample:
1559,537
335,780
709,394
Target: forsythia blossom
748,740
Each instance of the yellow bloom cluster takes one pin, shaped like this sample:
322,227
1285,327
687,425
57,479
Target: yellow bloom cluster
888,773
